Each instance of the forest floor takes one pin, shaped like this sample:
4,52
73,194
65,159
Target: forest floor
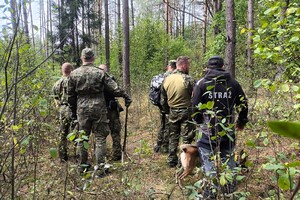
142,174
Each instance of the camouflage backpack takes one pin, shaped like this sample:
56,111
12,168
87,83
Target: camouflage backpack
154,92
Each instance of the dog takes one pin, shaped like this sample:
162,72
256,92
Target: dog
189,158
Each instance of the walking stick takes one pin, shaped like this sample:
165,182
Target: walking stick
125,135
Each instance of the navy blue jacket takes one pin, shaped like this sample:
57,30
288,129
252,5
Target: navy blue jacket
222,95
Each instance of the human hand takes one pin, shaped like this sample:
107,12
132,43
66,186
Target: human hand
128,101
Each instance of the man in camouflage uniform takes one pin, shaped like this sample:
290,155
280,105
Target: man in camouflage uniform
176,95
85,92
113,114
59,90
162,144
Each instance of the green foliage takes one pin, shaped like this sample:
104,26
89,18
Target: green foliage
53,153
151,48
285,128
276,40
144,149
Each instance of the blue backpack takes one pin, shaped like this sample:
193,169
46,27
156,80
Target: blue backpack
154,92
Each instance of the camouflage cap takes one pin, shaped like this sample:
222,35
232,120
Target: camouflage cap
87,53
172,63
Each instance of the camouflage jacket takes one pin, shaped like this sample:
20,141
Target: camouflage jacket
59,90
85,90
176,91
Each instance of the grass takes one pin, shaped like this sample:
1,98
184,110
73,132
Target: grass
142,175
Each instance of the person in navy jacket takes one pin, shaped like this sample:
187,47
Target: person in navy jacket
215,99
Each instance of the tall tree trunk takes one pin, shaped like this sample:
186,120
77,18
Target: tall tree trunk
77,46
167,16
132,13
230,37
250,33
204,27
50,24
47,28
89,24
100,26
183,19
119,29
42,25
176,18
194,22
14,121
13,5
82,23
126,71
25,14
32,25
107,45
217,7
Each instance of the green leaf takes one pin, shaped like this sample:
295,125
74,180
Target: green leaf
268,11
53,152
210,105
71,136
243,30
295,88
15,128
239,177
293,164
266,141
284,182
284,88
223,180
296,106
84,137
86,145
249,163
294,39
257,83
269,166
210,87
25,142
35,28
277,48
285,128
250,143
201,106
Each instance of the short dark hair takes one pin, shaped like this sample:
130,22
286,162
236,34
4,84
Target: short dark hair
182,60
172,63
215,62
87,53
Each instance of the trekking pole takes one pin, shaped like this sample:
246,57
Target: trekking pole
125,135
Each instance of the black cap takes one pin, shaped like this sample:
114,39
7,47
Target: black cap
215,62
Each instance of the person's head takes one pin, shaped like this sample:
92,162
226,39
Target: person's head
66,69
171,65
183,64
87,55
104,67
215,62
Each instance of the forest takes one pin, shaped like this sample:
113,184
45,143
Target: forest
259,41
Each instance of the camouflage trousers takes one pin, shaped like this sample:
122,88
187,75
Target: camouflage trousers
96,123
163,134
180,125
115,131
64,129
